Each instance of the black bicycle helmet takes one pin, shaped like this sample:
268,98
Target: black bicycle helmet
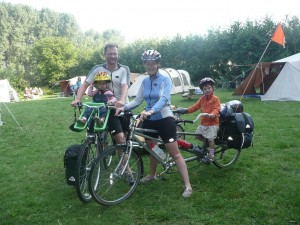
206,81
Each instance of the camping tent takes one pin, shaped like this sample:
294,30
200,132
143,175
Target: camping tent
181,81
7,93
278,80
66,85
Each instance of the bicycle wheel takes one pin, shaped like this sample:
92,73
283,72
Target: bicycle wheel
226,157
88,153
110,186
106,140
179,128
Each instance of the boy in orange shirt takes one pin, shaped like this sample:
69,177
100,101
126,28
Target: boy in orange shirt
210,104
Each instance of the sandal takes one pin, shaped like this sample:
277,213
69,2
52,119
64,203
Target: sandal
187,192
147,179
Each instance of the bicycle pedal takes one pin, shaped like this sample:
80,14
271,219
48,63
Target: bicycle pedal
206,161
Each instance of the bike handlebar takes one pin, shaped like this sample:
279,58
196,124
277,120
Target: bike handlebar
94,105
192,121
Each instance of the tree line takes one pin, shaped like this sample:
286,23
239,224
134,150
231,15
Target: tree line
41,47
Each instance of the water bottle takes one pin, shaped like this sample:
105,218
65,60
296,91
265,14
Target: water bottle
159,152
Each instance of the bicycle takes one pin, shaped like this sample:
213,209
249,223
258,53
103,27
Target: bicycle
109,187
97,140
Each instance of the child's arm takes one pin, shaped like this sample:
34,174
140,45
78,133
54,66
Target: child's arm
111,99
194,107
191,109
91,91
216,108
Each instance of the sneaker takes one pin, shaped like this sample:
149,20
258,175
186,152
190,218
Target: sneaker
130,179
207,159
187,192
147,179
83,121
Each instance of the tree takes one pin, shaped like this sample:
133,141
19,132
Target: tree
53,56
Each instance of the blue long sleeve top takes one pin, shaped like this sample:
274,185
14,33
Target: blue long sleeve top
156,92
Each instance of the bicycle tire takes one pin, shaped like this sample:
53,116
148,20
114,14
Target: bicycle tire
88,154
106,140
226,157
109,187
179,128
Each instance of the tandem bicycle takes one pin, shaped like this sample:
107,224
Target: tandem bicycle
107,178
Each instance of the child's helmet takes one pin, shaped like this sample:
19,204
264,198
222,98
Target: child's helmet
151,55
206,81
102,76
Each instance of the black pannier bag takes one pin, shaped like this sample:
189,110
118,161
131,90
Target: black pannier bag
70,161
238,130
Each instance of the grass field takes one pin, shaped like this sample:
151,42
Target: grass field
263,187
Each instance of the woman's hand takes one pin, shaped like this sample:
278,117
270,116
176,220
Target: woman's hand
145,115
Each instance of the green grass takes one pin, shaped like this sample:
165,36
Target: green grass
261,188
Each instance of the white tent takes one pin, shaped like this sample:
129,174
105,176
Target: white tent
7,93
286,87
134,88
181,81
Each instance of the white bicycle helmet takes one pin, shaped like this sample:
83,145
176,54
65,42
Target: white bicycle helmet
151,55
206,81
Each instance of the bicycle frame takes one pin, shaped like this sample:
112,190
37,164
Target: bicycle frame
133,139
108,183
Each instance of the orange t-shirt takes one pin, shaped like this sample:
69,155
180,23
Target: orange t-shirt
207,104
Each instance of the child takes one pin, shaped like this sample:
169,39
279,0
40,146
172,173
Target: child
102,95
208,103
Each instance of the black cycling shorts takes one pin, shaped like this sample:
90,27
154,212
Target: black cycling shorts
166,129
117,124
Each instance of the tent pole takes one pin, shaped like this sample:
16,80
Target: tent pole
1,122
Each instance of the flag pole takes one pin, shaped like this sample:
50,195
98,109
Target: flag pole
255,69
277,37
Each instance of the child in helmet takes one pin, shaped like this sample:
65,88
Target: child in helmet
101,95
210,104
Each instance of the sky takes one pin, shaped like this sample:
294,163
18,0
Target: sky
138,19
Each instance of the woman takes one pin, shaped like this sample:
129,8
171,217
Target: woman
156,91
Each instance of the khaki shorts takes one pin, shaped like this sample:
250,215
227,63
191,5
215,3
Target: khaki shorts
209,132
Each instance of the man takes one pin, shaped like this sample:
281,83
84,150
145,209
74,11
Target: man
120,76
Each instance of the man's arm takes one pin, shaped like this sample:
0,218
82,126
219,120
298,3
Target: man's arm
80,93
124,91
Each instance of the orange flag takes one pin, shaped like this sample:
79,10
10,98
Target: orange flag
278,35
